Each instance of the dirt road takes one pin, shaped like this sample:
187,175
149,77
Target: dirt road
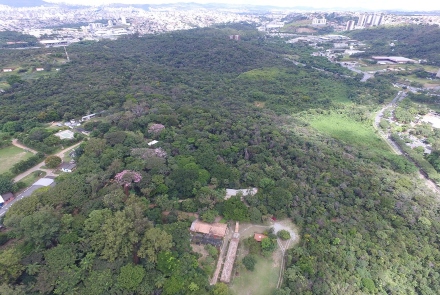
38,166
17,144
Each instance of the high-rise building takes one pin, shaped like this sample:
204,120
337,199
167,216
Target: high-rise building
350,25
369,19
377,19
438,74
362,20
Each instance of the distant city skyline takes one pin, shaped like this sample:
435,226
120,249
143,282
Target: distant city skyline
405,5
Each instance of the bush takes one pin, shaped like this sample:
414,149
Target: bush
212,251
249,262
283,234
3,238
26,164
53,161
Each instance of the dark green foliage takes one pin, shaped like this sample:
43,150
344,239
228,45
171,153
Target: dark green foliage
411,41
131,276
26,164
234,209
53,161
361,215
6,184
283,234
249,262
16,39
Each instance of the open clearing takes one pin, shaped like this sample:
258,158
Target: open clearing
261,281
11,155
264,279
350,131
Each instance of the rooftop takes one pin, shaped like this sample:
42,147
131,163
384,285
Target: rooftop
216,229
258,237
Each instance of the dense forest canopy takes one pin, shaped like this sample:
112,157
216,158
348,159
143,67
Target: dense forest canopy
227,114
11,39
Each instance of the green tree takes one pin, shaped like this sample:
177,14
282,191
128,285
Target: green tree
10,265
249,262
283,234
98,282
267,245
12,290
209,216
13,79
220,289
234,209
53,161
154,241
5,184
131,276
40,228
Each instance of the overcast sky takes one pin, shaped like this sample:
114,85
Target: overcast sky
367,4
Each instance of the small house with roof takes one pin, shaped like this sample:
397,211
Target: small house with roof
5,198
67,167
208,233
259,237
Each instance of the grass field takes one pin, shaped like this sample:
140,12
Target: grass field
350,131
11,155
261,281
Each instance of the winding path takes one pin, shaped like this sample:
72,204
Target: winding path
386,137
38,166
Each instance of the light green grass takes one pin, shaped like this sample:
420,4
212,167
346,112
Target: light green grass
261,281
267,74
414,78
11,155
33,177
350,131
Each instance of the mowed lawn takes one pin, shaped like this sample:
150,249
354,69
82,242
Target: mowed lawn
350,131
11,155
261,281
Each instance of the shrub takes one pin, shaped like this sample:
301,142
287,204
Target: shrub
52,161
283,234
249,262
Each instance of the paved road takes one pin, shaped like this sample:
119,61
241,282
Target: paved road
386,137
366,75
38,166
24,194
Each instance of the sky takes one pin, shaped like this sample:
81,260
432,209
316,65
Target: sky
367,4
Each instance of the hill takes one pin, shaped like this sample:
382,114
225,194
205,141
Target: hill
226,114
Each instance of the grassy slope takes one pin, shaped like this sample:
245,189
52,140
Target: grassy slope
349,131
11,155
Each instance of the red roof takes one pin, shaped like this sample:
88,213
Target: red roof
259,237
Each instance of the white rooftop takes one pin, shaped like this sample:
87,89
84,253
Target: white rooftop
152,142
244,192
44,182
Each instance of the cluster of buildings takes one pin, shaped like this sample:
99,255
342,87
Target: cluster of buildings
94,23
108,21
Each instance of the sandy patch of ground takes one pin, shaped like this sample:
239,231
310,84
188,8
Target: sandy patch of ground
433,119
201,250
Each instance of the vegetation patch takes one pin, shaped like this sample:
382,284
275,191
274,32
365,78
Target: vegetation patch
10,156
261,281
346,129
268,74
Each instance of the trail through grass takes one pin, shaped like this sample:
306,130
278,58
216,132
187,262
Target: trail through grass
11,155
